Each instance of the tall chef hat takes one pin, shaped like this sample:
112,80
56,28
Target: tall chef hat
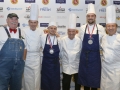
110,14
34,12
72,21
91,8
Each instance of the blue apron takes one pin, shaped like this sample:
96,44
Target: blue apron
11,63
90,62
50,74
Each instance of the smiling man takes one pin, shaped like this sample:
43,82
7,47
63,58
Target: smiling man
11,54
70,52
90,61
110,78
31,79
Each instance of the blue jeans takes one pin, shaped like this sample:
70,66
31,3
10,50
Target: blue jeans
11,70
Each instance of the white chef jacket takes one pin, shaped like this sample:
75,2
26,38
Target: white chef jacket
4,36
32,68
110,78
70,54
33,39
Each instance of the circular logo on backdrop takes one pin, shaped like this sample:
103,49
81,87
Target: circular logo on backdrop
14,1
103,2
45,2
75,2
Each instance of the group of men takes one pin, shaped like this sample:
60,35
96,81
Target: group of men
80,54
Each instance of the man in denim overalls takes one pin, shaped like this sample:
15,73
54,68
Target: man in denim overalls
11,54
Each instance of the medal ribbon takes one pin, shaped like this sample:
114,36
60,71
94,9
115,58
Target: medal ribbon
92,31
50,41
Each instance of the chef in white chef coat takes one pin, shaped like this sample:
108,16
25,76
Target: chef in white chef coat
90,62
70,54
32,64
110,78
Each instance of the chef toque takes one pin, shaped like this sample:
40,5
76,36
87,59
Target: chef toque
110,14
72,21
91,9
34,12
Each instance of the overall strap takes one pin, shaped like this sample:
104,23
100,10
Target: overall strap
19,33
7,32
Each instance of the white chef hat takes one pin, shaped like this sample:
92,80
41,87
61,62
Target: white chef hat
52,22
91,8
110,14
72,21
34,12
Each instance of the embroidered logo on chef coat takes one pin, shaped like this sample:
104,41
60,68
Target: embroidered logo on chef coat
14,1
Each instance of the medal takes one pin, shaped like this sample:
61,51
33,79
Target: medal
90,41
51,51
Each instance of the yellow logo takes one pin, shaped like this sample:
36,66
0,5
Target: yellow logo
14,1
103,2
118,18
45,2
75,2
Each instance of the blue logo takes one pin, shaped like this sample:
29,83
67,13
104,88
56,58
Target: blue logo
89,1
116,2
1,0
61,1
29,1
8,8
71,9
102,10
103,24
45,9
44,24
24,25
77,24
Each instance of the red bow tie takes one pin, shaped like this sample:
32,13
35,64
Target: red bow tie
13,30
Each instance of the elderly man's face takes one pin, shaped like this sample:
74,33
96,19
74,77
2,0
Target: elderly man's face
91,18
52,30
12,22
33,24
71,33
111,28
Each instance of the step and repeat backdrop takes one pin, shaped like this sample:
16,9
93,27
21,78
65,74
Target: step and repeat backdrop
60,9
